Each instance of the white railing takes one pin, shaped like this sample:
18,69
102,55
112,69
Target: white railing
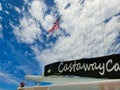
95,85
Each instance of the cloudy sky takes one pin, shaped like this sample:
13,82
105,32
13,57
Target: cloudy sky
88,28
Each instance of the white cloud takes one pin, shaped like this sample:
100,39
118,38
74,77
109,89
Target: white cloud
28,31
110,8
0,27
2,89
0,20
17,9
81,21
48,22
0,7
0,31
6,78
37,9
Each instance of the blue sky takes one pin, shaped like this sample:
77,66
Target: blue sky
88,28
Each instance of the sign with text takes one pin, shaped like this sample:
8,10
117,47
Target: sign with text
100,67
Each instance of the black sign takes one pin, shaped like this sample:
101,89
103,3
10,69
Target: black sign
100,67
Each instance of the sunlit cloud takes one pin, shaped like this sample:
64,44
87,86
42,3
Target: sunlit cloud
28,31
0,7
0,21
89,36
17,9
5,77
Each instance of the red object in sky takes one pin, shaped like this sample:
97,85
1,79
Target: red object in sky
55,26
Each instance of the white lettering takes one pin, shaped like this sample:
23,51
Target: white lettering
59,67
100,67
107,65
